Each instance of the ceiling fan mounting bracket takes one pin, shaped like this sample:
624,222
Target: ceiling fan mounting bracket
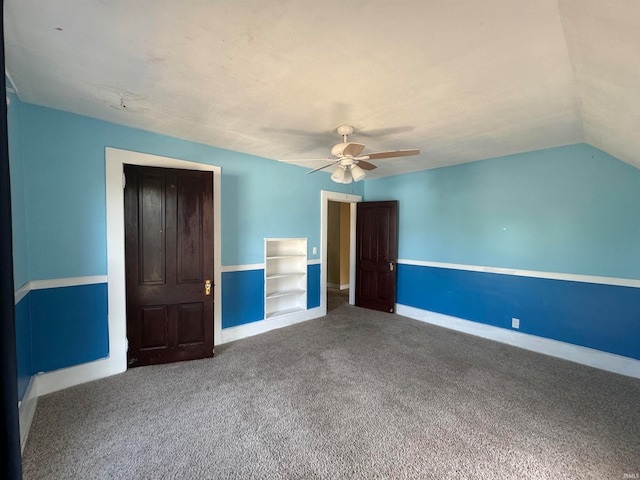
344,130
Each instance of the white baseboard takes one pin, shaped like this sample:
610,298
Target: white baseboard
232,334
575,353
69,377
26,411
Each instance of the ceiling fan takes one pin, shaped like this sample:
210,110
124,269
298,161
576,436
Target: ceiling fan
351,165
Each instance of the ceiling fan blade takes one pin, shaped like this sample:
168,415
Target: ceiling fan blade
353,149
322,168
393,154
366,165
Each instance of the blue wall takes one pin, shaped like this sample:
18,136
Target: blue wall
65,168
239,310
603,317
572,210
68,326
19,230
23,344
58,166
245,308
18,206
313,285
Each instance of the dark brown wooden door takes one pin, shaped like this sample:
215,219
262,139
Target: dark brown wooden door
169,258
376,255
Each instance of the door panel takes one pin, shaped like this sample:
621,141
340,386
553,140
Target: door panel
169,256
190,325
377,251
152,230
153,327
190,233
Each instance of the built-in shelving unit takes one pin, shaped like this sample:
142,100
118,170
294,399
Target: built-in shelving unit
285,276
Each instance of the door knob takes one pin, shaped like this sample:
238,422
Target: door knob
207,287
391,266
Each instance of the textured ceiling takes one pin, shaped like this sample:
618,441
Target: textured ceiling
460,80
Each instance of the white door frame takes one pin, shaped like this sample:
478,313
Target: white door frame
114,165
325,197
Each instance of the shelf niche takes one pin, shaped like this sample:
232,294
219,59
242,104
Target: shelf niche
285,276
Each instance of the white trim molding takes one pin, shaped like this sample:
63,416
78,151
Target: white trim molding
21,293
57,283
115,159
325,197
14,87
67,282
55,380
242,268
571,277
26,411
232,334
257,266
567,351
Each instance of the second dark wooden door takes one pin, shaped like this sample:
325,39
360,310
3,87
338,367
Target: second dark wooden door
376,255
169,259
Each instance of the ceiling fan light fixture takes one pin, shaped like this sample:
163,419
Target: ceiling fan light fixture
357,173
347,176
338,174
341,175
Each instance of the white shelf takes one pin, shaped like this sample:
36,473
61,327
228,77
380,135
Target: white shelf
284,293
285,276
285,312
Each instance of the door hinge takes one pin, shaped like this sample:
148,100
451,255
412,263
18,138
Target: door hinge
124,180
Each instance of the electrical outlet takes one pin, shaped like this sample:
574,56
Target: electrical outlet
515,323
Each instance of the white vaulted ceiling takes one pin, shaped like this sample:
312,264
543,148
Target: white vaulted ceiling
460,80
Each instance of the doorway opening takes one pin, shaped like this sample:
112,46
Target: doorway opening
337,202
338,253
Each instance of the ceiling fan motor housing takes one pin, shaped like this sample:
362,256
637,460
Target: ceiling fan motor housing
339,148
